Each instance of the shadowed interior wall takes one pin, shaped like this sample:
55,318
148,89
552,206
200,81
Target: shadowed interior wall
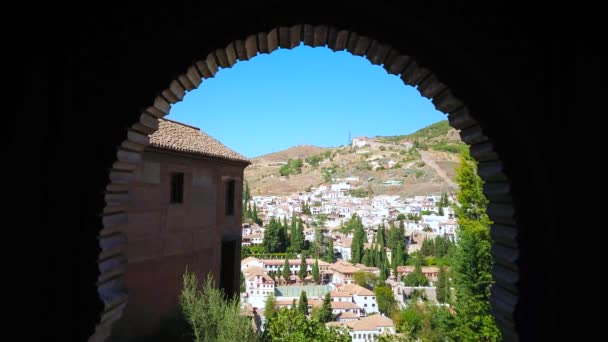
84,78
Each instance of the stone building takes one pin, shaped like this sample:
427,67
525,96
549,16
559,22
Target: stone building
185,213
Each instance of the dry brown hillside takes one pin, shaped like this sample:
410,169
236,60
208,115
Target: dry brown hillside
377,168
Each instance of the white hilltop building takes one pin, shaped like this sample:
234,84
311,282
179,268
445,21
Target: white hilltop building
360,141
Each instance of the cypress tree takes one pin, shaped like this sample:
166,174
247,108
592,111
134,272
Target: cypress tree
303,268
358,240
443,286
472,262
365,259
303,304
326,314
315,272
330,258
286,270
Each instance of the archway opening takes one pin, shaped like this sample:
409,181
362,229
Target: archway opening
403,66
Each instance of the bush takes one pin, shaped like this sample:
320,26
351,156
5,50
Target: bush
212,317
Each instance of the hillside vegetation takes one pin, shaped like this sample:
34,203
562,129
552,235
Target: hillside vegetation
384,166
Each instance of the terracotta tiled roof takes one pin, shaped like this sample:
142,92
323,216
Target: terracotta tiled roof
339,294
356,289
372,322
347,315
278,262
179,137
425,269
343,267
344,305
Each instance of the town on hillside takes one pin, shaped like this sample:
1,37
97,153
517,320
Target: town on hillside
350,246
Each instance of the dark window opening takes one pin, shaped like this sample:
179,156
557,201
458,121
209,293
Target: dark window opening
177,187
228,273
230,197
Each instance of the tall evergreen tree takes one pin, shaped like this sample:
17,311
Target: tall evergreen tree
330,257
285,227
326,314
303,268
359,239
279,274
472,262
440,213
365,260
269,307
292,233
443,286
427,247
315,272
297,242
286,270
303,303
254,214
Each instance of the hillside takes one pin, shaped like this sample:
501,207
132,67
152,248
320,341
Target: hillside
382,167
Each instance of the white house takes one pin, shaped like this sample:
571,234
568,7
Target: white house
258,286
360,141
364,298
343,247
340,187
252,240
369,328
339,307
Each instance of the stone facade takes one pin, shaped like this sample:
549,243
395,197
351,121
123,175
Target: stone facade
165,239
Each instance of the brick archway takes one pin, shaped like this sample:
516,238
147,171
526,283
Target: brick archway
112,262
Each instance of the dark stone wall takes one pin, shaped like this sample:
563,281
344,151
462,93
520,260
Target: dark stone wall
85,75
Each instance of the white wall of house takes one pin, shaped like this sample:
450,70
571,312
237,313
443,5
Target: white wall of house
370,335
367,303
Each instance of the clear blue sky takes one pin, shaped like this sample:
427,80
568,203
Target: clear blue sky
304,96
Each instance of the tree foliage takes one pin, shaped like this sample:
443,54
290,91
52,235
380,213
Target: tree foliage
293,167
359,238
292,326
303,268
286,269
386,301
316,275
473,261
210,316
275,237
303,303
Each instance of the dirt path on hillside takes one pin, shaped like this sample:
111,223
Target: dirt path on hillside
430,162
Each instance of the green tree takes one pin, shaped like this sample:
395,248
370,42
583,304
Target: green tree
254,214
286,270
303,268
275,238
472,261
303,303
443,286
386,301
440,213
270,307
326,313
330,257
315,272
416,278
427,248
210,316
243,287
365,260
359,239
293,326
